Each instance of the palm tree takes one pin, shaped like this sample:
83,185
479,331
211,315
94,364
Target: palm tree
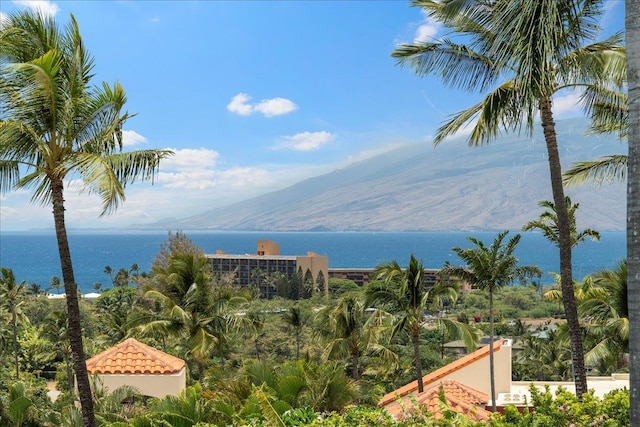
11,294
55,284
605,305
632,25
251,324
56,127
602,302
296,319
56,330
350,332
547,223
402,293
539,48
489,268
108,270
188,305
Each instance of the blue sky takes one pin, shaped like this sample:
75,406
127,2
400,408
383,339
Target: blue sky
253,96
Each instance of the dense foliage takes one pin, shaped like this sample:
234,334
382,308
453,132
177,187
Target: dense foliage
317,362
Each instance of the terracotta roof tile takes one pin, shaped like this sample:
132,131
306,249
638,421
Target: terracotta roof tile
133,357
441,373
459,398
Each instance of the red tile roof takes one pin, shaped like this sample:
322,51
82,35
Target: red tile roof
134,357
458,397
441,373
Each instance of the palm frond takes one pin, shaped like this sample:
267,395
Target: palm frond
458,65
607,169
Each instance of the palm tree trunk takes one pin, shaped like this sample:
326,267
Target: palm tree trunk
67,364
632,24
355,354
415,337
565,244
73,308
491,357
257,345
14,326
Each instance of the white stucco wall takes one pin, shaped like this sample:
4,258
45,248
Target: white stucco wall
154,385
477,374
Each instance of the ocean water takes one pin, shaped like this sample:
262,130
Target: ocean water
34,258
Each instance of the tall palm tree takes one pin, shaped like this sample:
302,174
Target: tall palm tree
403,294
55,127
11,294
632,25
538,48
488,268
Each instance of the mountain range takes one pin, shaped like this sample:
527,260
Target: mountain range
420,187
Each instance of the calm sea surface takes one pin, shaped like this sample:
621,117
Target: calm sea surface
34,257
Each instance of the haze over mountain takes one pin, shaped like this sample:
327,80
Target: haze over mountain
419,187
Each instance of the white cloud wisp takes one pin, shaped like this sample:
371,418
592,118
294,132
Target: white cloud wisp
267,107
305,141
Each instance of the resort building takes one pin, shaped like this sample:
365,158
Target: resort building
249,268
362,276
253,269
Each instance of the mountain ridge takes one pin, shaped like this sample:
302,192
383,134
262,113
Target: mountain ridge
420,188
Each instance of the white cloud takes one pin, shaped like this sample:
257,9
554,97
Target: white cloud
268,107
367,154
131,137
239,105
427,30
44,7
275,107
567,104
189,169
306,141
190,158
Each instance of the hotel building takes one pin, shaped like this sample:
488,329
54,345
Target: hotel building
268,260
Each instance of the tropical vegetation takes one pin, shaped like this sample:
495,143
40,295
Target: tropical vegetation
315,360
319,360
57,126
517,55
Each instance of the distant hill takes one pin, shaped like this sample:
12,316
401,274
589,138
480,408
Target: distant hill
419,187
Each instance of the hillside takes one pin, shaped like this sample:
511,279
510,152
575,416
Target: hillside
419,187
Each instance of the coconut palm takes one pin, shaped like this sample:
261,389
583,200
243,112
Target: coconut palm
295,318
402,293
55,284
56,330
632,25
545,357
605,305
251,325
56,127
11,295
489,268
602,302
189,305
519,54
351,332
547,223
